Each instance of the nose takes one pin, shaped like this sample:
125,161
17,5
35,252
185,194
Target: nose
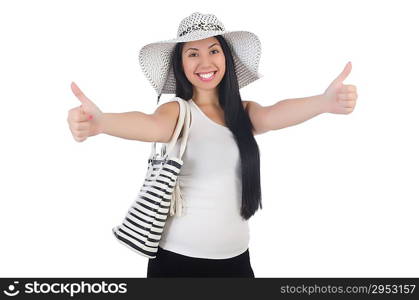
206,64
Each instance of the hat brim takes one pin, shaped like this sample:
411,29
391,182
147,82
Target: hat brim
156,65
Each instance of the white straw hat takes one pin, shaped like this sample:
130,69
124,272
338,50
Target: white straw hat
155,58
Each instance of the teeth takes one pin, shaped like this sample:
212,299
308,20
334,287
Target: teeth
206,75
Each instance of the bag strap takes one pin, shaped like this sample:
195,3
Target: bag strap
186,125
182,120
183,123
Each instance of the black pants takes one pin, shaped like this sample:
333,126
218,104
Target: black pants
171,264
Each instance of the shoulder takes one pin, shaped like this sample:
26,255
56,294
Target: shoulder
258,115
165,117
247,105
171,107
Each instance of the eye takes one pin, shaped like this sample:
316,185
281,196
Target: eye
194,54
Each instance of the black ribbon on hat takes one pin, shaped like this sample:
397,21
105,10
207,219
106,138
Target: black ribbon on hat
201,26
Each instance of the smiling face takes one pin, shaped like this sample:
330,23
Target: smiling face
204,63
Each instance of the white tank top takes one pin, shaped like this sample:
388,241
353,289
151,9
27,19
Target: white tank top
210,183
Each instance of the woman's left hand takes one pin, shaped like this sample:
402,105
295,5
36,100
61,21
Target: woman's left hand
341,98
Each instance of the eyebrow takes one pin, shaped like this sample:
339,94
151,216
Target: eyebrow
198,49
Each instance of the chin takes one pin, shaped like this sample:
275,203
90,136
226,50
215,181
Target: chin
206,87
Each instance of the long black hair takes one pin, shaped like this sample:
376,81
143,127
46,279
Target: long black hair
236,119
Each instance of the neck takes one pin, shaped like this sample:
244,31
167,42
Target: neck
206,97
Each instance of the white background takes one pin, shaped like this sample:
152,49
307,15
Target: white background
339,194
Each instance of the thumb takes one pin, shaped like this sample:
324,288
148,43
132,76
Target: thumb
342,76
80,95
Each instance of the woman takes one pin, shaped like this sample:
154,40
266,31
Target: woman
220,179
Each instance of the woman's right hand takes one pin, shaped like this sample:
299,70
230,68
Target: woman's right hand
84,120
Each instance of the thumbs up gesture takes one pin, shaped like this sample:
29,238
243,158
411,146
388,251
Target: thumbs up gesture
341,98
84,120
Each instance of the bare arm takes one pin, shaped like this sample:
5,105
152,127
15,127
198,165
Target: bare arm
285,113
290,112
338,98
88,120
135,125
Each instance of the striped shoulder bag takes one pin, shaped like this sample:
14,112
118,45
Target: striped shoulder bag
144,222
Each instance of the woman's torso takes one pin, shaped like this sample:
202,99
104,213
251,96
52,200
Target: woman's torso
210,182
